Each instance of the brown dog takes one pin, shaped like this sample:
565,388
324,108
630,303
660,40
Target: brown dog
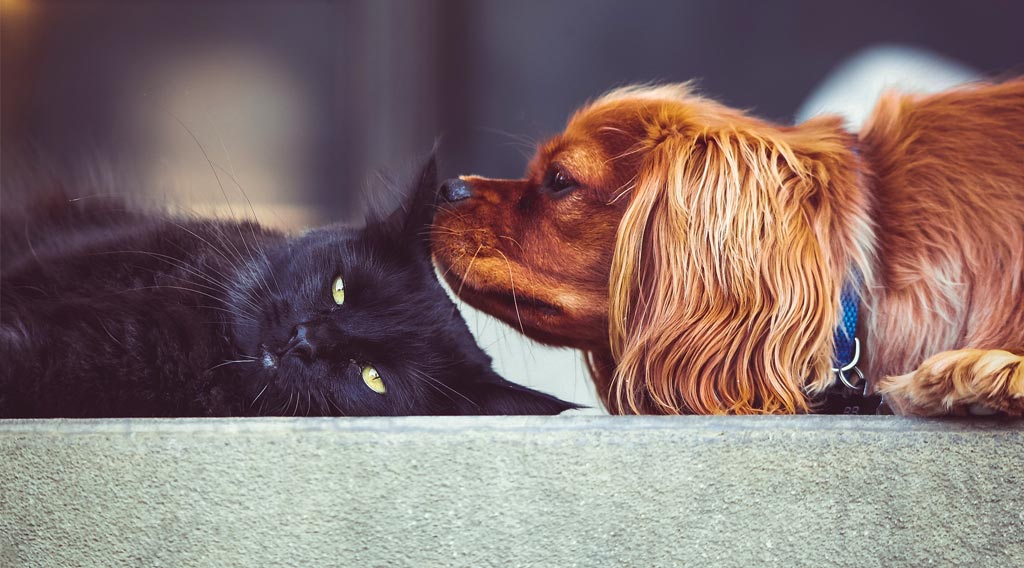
697,254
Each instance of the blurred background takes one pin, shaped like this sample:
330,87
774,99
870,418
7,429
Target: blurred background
301,102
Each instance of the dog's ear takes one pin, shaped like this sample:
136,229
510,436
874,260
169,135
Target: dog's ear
724,282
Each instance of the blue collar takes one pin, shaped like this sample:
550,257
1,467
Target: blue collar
847,346
848,394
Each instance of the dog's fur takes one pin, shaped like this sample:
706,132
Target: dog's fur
697,253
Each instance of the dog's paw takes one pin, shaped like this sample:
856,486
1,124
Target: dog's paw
953,382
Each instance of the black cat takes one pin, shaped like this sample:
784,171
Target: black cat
112,312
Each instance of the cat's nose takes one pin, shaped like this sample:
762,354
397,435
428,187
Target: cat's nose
455,190
300,344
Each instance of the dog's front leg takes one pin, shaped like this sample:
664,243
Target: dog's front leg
952,381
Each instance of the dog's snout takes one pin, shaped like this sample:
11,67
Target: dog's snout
455,190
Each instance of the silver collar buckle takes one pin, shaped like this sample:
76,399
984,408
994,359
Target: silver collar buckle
841,372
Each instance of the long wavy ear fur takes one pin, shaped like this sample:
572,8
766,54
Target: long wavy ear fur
728,265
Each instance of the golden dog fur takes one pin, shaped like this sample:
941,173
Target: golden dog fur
697,254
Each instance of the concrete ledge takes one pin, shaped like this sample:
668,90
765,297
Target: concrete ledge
563,491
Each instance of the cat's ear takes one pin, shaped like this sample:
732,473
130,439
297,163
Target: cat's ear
495,395
422,204
409,223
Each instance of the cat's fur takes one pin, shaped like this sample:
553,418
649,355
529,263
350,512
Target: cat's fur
108,311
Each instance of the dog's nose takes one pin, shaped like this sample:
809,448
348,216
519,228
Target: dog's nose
455,190
299,344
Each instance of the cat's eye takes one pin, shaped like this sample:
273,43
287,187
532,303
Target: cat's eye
338,290
372,379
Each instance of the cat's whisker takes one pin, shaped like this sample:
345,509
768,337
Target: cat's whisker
255,271
431,385
223,192
110,335
201,293
244,265
283,408
252,266
175,262
419,373
263,390
256,243
241,321
238,317
28,241
229,247
262,404
325,403
435,367
330,400
230,363
224,278
273,275
215,249
255,292
321,409
212,289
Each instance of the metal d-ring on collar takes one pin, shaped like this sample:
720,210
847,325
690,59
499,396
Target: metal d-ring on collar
852,366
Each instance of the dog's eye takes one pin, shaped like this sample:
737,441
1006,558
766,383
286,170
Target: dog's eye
560,182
